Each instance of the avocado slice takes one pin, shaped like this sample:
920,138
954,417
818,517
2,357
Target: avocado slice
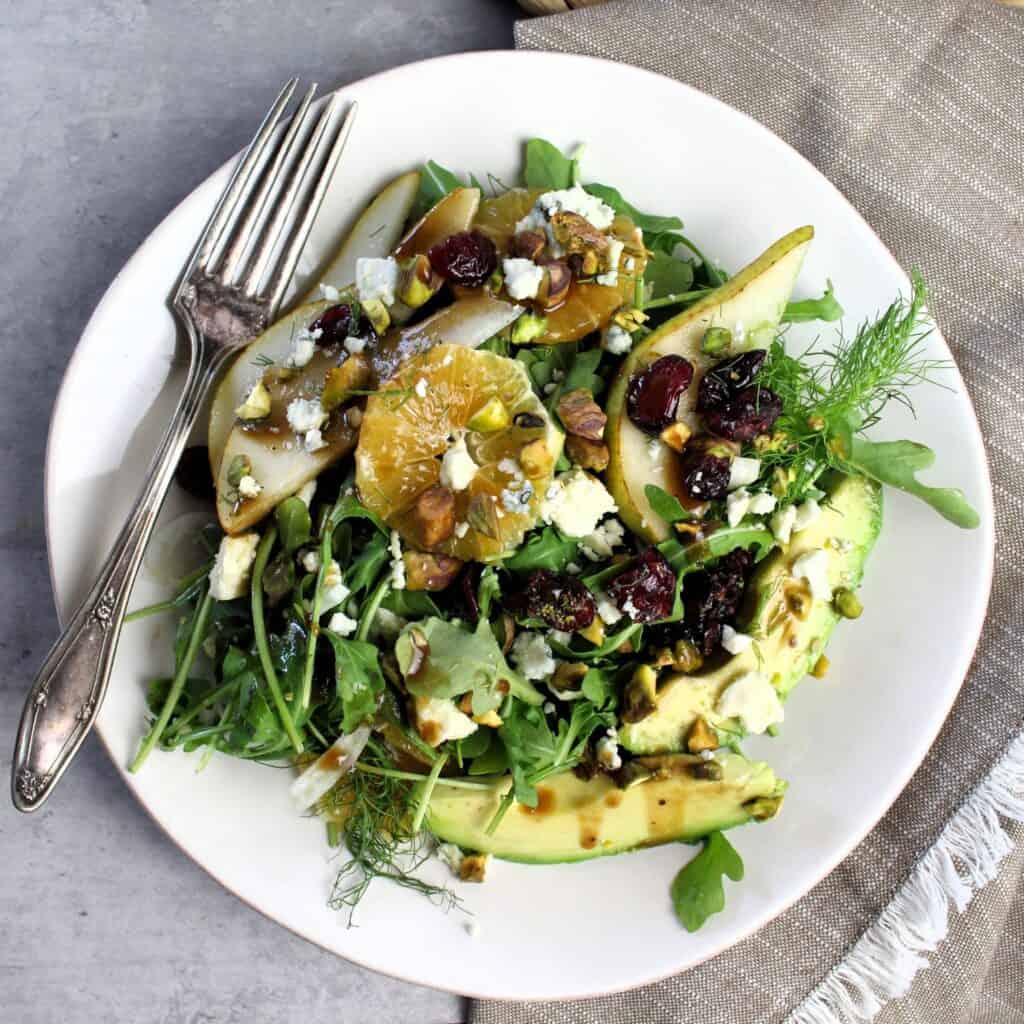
578,820
749,306
786,646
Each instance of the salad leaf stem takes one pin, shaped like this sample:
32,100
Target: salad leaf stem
394,773
187,589
178,684
306,689
678,299
428,790
259,630
369,610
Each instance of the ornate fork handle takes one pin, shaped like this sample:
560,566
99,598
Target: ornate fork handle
67,693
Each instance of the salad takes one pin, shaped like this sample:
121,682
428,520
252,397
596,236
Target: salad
526,518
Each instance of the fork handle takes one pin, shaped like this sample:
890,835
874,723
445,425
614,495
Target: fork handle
69,689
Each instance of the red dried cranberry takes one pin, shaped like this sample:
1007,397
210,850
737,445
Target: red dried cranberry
652,398
705,477
559,600
752,411
467,258
193,473
713,596
646,590
722,382
335,324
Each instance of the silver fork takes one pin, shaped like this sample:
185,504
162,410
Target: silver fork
230,290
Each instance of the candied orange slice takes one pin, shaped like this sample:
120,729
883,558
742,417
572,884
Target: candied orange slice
425,408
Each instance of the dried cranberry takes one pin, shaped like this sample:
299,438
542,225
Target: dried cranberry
335,325
467,258
705,477
652,398
193,473
712,597
561,601
751,412
646,591
469,584
722,382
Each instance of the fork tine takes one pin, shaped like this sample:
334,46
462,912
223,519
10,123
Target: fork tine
243,231
290,258
287,204
241,181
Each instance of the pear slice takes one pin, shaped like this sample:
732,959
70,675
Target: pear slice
375,234
750,305
272,346
453,213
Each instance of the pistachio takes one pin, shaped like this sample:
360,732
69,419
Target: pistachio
631,774
630,319
761,808
581,415
240,466
529,327
536,459
816,422
594,632
641,694
709,770
554,286
529,421
419,281
506,631
426,571
355,374
676,436
377,313
701,737
587,454
491,719
419,652
716,339
434,515
577,235
256,404
686,657
529,245
847,603
490,417
568,675
820,668
798,598
473,867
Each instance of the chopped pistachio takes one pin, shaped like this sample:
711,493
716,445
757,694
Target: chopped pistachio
256,404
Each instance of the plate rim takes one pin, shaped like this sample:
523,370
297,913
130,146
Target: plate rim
925,742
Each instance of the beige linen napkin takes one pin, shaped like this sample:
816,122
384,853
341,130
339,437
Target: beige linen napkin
915,109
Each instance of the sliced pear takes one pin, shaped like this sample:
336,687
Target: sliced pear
454,213
375,234
272,346
750,306
468,321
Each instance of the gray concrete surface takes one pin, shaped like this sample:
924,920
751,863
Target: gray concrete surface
112,111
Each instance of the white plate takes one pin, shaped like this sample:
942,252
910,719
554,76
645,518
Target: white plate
850,743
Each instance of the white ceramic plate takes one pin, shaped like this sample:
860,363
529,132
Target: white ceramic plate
850,743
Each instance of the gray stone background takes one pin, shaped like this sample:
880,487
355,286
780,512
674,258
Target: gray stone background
111,112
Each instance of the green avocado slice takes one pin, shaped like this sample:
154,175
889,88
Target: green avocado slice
578,820
786,646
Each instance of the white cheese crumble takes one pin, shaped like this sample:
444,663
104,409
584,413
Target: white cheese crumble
249,486
762,503
753,700
607,609
522,277
576,503
229,577
735,642
807,512
461,529
737,504
303,347
743,471
377,279
448,722
610,278
532,656
617,340
386,624
517,497
614,254
472,929
355,345
573,569
782,523
397,562
311,561
457,467
305,414
577,200
560,636
329,292
333,591
654,447
602,542
313,440
341,624
451,855
607,750
813,567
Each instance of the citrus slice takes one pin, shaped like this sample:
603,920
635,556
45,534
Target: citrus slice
408,429
589,306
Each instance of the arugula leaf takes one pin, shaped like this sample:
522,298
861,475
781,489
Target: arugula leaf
686,558
294,525
435,183
348,506
598,689
666,505
583,372
545,550
665,275
547,167
487,591
649,223
896,463
826,308
697,890
610,646
365,568
410,604
358,679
